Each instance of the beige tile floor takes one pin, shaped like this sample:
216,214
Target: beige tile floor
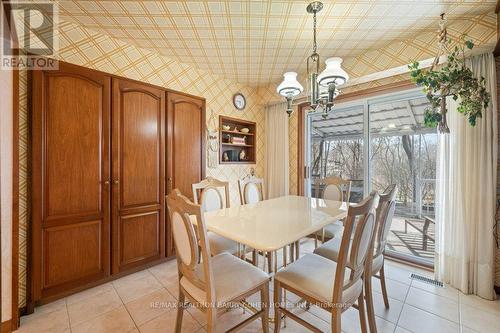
128,305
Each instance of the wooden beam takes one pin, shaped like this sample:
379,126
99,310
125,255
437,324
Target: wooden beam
410,112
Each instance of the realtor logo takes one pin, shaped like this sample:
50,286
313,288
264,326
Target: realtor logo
29,40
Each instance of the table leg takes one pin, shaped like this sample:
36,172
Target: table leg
284,291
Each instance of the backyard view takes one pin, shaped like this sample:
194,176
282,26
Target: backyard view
402,152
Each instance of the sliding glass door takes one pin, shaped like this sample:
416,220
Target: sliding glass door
403,152
378,142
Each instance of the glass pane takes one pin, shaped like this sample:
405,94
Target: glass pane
403,152
337,148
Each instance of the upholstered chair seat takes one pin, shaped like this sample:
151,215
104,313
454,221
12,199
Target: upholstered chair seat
232,278
312,274
333,230
219,244
330,250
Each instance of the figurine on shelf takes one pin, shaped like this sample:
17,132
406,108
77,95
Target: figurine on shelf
225,157
243,155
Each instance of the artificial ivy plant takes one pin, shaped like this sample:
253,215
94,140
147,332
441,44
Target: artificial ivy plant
453,79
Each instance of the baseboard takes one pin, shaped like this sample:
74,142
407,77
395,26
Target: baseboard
7,326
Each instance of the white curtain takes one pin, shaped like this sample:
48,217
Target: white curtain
277,164
466,191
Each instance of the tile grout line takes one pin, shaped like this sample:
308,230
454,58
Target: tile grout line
460,326
125,306
171,294
404,303
67,312
432,313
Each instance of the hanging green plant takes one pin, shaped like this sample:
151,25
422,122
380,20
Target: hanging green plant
453,79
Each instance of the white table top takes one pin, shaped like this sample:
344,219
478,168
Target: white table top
270,225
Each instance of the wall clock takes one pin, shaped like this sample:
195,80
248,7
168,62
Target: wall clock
239,101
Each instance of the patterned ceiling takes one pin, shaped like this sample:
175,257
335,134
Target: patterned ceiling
254,42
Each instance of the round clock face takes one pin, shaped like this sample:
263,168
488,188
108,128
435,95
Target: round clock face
239,101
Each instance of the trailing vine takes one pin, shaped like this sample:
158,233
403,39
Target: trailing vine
453,79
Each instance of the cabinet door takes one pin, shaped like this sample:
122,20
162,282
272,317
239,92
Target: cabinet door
71,173
138,174
186,146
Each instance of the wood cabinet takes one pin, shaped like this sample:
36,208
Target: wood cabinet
105,149
138,174
71,179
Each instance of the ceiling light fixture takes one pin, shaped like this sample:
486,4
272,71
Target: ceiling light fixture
289,88
323,88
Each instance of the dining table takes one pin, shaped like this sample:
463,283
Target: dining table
270,225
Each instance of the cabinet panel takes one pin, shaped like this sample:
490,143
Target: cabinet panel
71,172
186,140
72,252
186,147
138,174
140,135
140,237
73,121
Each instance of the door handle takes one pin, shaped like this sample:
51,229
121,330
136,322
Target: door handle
116,181
106,182
169,185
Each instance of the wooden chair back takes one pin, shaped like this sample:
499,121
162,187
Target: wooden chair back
357,240
188,238
335,188
207,193
385,213
251,189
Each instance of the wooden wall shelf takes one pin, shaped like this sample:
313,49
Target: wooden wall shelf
237,153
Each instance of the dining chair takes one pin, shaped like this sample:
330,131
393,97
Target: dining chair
251,189
207,193
337,189
333,286
214,282
332,249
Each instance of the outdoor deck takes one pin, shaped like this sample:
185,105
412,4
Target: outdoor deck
411,241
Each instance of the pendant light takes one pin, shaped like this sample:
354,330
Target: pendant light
322,88
289,88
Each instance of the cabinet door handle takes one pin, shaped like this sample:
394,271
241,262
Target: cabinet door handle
106,182
116,181
169,185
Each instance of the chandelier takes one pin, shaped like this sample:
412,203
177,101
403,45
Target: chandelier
322,87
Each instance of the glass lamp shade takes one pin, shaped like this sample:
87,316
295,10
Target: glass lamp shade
290,86
333,73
